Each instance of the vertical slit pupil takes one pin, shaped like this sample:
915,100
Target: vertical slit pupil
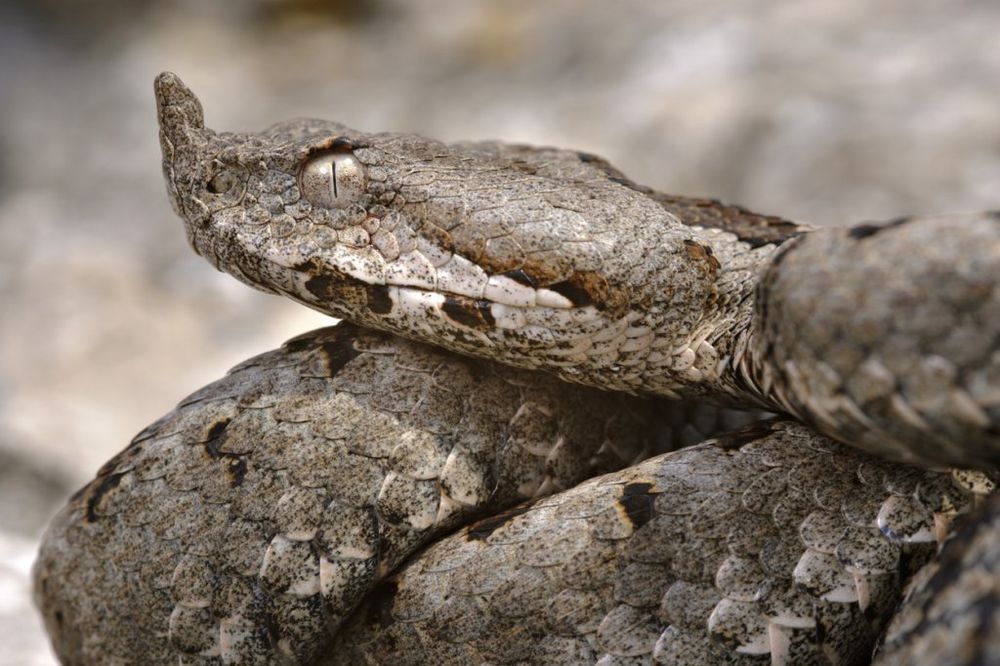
333,177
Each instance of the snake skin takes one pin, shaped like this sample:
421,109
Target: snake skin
951,615
246,525
770,545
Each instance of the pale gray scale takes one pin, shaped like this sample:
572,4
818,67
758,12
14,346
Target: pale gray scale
907,369
308,475
657,600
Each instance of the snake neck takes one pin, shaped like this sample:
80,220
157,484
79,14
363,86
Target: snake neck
707,341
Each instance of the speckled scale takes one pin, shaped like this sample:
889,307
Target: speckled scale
951,612
882,335
667,588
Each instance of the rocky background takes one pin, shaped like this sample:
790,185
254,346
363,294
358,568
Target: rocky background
830,112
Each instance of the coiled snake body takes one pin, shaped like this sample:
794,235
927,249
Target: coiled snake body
265,519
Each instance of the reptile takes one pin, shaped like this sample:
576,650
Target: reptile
266,518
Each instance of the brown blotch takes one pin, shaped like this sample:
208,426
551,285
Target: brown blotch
322,286
378,299
341,293
99,490
438,236
469,312
337,143
637,501
215,437
340,350
338,289
479,531
703,253
591,288
525,271
235,468
521,276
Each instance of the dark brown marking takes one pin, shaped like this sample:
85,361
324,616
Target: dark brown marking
215,437
340,350
637,500
102,488
703,253
334,143
322,286
339,293
519,275
750,227
438,236
748,433
862,231
378,299
469,312
235,469
591,288
482,529
574,291
540,273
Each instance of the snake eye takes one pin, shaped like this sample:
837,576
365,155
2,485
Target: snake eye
333,180
222,182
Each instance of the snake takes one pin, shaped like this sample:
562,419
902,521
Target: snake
538,434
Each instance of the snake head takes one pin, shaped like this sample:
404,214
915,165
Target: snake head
544,257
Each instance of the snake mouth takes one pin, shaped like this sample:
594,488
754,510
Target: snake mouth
498,306
568,336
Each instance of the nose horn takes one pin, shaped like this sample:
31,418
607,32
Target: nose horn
182,120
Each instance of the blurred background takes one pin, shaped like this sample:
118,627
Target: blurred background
828,112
